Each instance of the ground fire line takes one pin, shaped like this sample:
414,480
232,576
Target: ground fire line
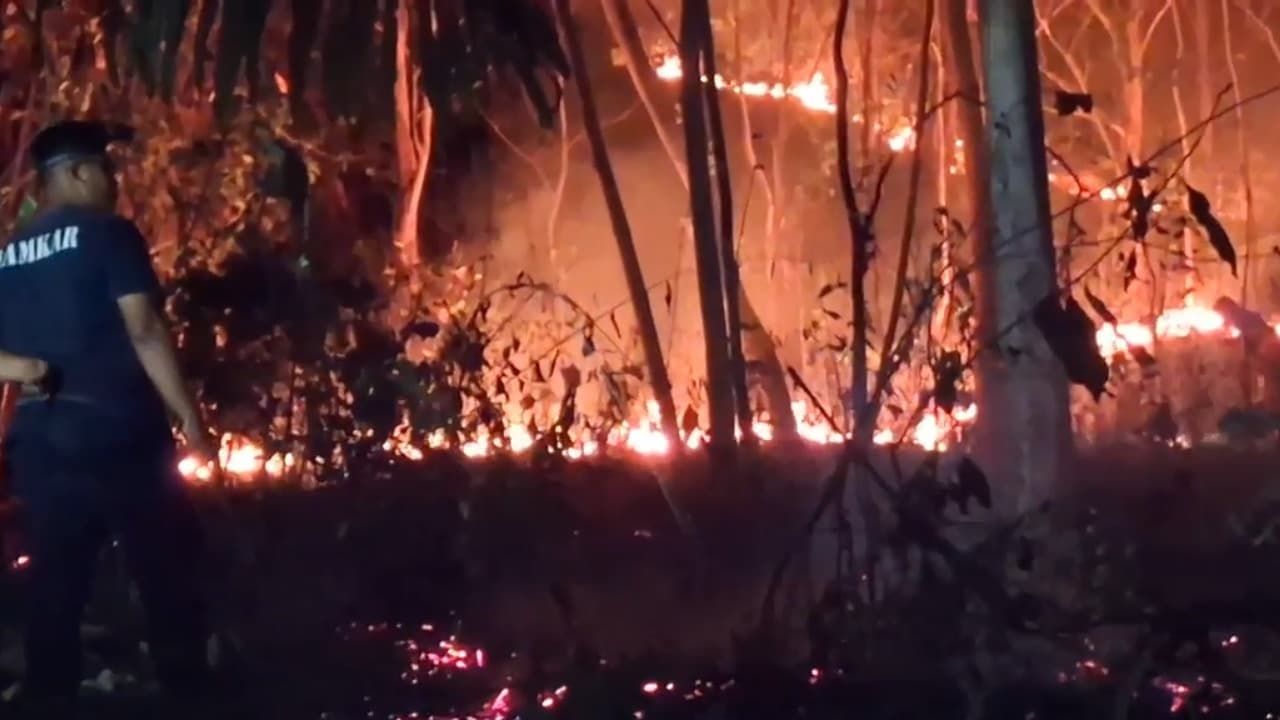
245,459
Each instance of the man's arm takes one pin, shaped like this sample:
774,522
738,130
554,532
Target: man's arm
133,285
154,347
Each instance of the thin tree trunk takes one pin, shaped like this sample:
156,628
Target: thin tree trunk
407,235
869,113
1246,179
1246,174
860,241
414,130
958,46
857,230
1134,92
622,25
757,344
940,315
909,223
728,258
406,156
646,326
1135,102
1030,391
1189,238
720,395
1204,30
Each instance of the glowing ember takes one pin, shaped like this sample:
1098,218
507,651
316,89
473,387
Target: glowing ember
442,657
501,703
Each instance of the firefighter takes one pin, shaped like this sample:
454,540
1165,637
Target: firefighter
91,452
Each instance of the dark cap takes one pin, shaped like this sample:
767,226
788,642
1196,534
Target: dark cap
75,139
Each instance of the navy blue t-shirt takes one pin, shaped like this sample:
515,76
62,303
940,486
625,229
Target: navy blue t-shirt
60,278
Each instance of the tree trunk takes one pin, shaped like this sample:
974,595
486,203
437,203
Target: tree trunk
887,364
622,25
870,114
1246,180
1135,141
1190,237
728,256
758,346
657,366
1028,387
414,130
720,395
1134,95
858,232
863,415
1204,30
961,62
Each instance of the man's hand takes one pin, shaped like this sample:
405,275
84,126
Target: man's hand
32,372
198,440
49,380
36,376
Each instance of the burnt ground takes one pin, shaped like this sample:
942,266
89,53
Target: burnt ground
371,599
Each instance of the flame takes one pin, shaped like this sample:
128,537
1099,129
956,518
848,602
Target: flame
244,460
240,457
1193,319
814,94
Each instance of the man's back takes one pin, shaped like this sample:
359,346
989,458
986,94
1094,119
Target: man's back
60,277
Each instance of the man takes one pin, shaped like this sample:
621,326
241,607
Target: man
91,454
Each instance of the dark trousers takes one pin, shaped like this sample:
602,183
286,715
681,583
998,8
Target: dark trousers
72,506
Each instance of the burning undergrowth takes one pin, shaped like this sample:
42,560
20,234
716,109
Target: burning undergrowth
308,378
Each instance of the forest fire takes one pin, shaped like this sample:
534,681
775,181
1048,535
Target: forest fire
244,459
429,270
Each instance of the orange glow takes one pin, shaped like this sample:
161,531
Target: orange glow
239,457
243,460
814,94
1190,320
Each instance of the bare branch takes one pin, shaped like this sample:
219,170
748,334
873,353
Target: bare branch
515,149
1262,25
913,192
1155,24
1081,84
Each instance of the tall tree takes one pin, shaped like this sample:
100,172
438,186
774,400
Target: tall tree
758,346
657,367
724,200
711,293
1027,385
415,126
859,231
962,68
